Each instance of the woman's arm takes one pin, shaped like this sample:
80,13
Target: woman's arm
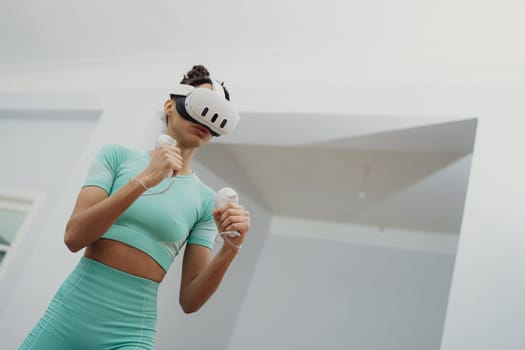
95,211
200,275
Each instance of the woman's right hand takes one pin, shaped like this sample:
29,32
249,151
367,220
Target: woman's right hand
166,160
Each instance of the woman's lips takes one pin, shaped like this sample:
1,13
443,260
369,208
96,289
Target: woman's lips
202,130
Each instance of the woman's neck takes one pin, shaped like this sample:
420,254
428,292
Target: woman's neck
187,157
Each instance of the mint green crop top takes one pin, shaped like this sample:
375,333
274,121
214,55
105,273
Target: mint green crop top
158,225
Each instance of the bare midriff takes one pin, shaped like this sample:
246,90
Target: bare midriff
126,258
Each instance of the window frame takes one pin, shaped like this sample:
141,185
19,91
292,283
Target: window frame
19,199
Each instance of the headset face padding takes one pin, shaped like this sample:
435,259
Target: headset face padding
207,107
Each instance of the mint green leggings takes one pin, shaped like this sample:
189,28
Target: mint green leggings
98,308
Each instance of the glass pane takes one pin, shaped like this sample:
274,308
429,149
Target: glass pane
10,221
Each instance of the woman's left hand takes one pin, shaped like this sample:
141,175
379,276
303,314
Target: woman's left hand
233,217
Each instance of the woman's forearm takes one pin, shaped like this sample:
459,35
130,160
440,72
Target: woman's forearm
202,287
90,223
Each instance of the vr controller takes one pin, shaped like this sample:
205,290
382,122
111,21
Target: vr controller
223,197
166,139
207,107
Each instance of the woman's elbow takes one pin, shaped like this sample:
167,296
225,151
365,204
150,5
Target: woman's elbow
71,244
188,311
188,307
69,240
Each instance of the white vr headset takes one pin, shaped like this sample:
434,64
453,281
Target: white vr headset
207,107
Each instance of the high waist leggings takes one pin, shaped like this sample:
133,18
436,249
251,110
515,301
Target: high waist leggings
98,308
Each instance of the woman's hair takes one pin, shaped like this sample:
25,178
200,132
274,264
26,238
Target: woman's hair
200,75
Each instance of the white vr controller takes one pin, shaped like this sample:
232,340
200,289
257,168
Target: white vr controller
166,139
223,197
207,107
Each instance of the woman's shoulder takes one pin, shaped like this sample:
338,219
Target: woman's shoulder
118,149
119,153
113,148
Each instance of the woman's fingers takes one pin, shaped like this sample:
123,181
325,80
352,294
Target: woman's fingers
233,218
169,158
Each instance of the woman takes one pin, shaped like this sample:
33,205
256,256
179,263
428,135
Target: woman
133,221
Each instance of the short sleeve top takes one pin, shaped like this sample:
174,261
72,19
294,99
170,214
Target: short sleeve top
158,225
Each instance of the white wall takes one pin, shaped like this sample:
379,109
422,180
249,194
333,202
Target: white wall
321,285
487,283
486,303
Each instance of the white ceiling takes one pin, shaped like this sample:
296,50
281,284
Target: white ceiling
300,165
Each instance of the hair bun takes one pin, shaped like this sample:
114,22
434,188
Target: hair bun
198,71
200,75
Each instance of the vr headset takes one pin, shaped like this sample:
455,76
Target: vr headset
206,107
